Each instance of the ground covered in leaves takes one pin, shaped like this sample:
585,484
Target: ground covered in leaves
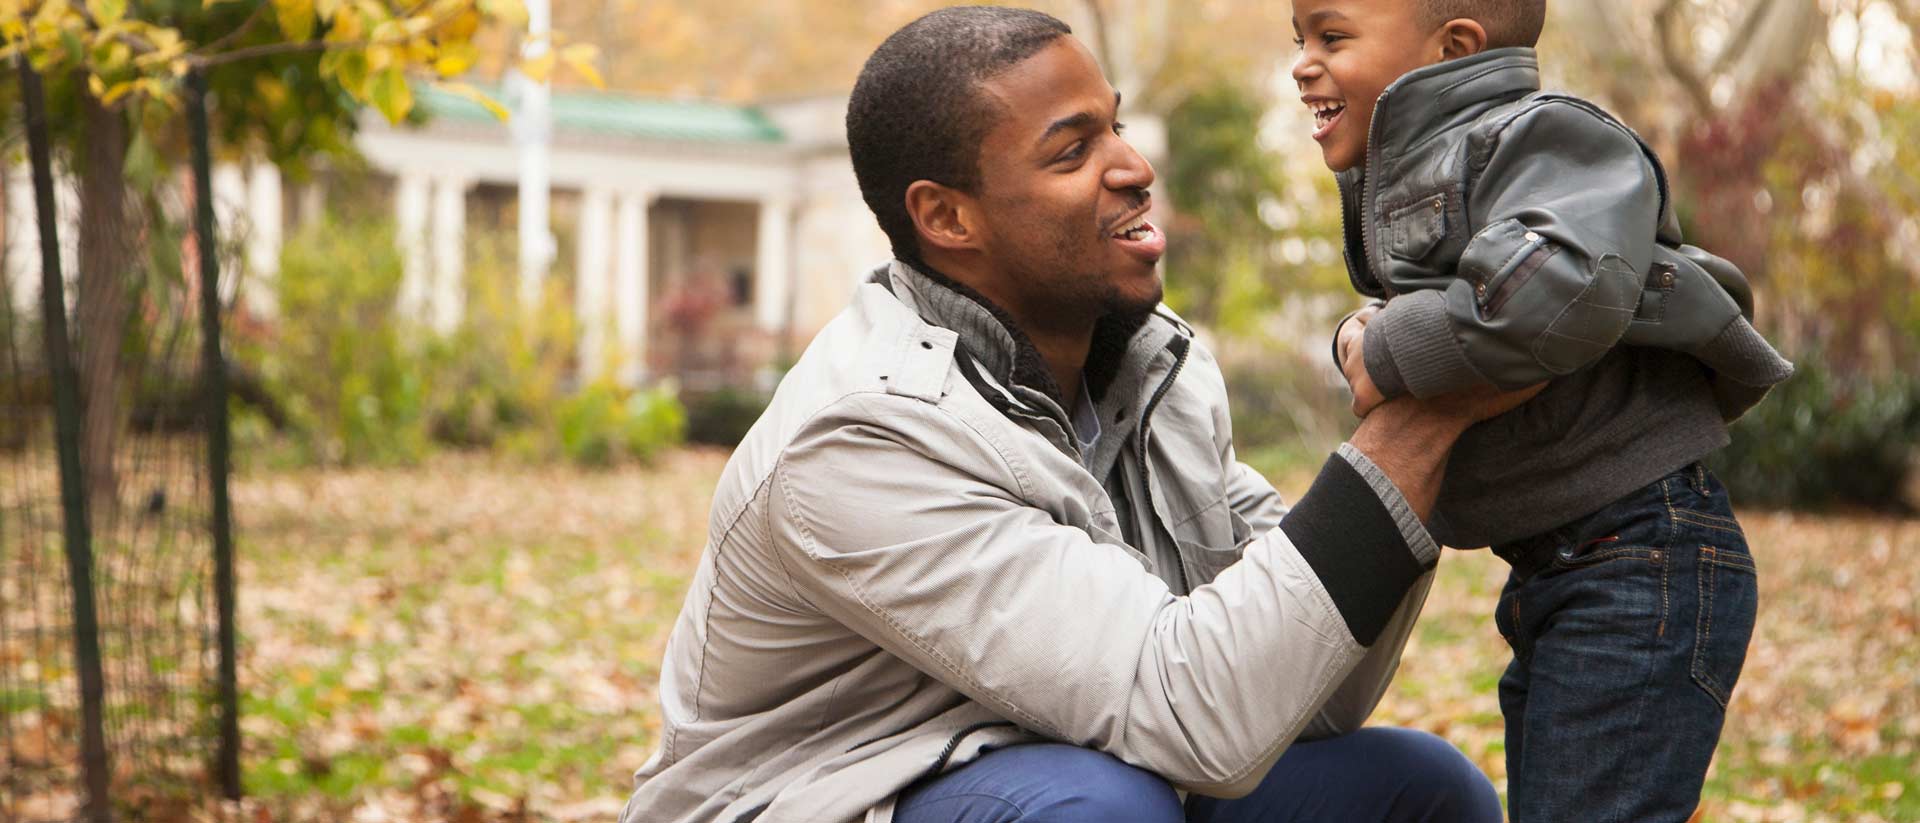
474,641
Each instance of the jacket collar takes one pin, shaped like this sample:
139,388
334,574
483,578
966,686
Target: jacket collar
1123,357
1427,99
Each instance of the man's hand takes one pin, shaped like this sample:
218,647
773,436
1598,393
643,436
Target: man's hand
1409,439
1350,345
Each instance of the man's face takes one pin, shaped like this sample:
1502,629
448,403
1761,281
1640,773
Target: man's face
1350,51
1063,198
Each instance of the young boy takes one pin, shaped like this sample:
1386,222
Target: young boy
1518,237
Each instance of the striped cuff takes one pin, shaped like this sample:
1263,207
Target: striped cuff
1419,541
1360,537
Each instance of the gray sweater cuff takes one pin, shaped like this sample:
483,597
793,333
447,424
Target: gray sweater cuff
1420,352
1424,549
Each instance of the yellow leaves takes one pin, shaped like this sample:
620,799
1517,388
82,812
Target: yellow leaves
107,12
538,68
469,92
580,57
391,95
296,19
455,58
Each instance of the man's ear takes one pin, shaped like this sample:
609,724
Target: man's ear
947,218
1462,37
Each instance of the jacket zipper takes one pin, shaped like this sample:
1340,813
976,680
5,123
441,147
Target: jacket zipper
953,744
1372,175
1179,346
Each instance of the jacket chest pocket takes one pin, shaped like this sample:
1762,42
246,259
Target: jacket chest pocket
1415,231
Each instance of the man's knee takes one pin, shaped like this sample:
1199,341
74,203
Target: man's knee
1091,786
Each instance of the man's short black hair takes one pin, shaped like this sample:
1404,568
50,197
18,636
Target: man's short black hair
916,111
1508,22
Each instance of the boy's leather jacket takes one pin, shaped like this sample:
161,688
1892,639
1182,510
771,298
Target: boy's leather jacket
1522,234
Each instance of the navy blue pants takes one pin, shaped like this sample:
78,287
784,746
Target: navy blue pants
1375,774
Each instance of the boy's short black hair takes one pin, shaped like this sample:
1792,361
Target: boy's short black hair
1508,22
916,112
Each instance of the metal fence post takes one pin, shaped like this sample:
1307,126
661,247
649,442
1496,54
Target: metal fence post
73,494
213,362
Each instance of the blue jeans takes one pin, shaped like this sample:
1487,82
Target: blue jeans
1374,774
1629,628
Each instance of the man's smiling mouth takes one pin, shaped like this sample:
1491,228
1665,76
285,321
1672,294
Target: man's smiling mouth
1136,229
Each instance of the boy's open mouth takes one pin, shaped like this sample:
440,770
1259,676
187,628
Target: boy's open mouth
1326,112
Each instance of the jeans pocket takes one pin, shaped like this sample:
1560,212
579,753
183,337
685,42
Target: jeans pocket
1729,602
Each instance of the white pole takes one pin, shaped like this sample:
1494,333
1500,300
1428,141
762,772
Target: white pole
532,128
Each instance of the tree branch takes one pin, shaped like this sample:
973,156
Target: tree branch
1672,56
236,34
1742,35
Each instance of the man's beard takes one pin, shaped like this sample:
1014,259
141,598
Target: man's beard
1057,294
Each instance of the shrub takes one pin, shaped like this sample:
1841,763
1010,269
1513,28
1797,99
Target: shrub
603,424
1825,438
340,360
722,417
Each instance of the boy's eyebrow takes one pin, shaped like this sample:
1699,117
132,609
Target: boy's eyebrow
1324,14
1073,121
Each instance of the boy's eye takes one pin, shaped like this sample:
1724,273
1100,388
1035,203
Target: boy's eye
1119,127
1299,42
1331,38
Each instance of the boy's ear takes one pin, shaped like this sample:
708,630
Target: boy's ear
1462,37
946,217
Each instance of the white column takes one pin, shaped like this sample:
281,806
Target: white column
590,280
410,214
23,243
630,284
449,252
264,229
532,132
773,275
231,218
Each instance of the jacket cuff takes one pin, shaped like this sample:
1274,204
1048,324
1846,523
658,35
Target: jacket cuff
1378,356
1362,540
1425,356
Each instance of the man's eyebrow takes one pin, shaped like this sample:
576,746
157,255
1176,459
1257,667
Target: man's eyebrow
1073,121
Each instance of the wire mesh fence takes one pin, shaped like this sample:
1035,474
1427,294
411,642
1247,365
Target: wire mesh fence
144,446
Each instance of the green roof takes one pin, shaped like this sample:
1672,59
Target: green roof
624,115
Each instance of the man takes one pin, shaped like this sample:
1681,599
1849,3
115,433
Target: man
989,556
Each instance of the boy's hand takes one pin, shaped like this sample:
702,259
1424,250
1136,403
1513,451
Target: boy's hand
1351,345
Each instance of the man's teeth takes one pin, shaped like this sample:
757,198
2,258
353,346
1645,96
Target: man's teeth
1135,230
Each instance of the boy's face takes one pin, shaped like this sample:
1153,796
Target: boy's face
1350,51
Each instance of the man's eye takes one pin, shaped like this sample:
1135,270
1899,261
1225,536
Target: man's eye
1073,152
1119,127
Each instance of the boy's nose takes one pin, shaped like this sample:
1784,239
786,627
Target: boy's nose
1305,69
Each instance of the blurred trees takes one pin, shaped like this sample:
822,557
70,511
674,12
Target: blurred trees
286,78
1789,129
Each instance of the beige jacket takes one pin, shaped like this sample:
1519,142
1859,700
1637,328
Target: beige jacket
908,562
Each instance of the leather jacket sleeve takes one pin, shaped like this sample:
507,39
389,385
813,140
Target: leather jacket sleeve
1567,206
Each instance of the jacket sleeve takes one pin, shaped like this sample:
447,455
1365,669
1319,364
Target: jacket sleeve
912,529
1568,206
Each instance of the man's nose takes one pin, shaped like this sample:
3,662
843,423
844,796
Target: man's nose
1132,171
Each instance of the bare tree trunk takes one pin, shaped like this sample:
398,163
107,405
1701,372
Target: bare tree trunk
105,262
